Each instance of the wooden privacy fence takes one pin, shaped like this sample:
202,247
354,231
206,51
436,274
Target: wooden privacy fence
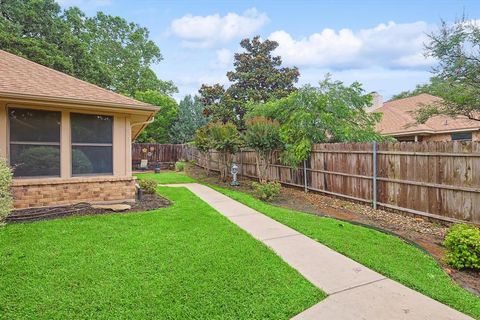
165,154
434,179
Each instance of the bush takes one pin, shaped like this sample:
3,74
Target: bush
180,166
267,191
5,196
463,247
263,136
148,186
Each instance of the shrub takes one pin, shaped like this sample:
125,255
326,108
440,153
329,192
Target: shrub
5,196
463,247
267,191
148,186
180,166
263,136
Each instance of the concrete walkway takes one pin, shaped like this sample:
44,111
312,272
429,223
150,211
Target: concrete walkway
355,292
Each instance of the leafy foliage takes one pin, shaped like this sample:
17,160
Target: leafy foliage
189,119
158,131
463,246
225,139
457,48
5,183
331,112
105,50
263,136
204,144
149,186
222,137
180,166
257,77
267,191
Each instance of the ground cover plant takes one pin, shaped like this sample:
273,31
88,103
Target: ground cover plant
181,262
386,254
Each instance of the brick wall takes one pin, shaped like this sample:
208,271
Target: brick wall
54,192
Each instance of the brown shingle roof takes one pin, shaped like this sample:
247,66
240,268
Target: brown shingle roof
24,77
398,119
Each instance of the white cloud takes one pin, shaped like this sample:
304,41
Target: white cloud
223,59
386,45
205,31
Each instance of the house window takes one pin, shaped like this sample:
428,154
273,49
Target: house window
91,144
462,136
34,142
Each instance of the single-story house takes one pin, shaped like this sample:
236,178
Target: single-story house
67,140
399,122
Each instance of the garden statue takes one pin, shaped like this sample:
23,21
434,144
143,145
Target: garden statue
234,172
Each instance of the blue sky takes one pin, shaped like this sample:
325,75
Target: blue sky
379,43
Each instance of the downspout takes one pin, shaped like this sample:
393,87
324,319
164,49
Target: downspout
144,124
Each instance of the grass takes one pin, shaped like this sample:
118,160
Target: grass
386,254
166,177
181,262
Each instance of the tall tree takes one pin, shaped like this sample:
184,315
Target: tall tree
258,76
104,50
457,49
158,131
332,112
189,119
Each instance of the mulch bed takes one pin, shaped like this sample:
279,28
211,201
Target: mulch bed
148,202
426,234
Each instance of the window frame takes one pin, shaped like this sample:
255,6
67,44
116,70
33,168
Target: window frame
89,144
33,143
460,133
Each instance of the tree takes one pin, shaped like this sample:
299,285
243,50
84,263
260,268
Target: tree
105,50
457,48
222,137
189,119
331,112
257,77
203,143
263,136
158,131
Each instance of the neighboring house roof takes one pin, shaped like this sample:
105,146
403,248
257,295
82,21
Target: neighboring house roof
398,119
22,79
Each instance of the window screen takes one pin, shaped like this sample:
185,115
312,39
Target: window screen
91,144
34,142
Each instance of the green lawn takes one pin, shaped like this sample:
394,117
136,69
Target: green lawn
383,253
166,177
181,262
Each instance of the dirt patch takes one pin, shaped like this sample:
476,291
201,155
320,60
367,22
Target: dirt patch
148,202
426,234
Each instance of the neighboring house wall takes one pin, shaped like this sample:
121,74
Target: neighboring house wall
446,137
37,192
437,137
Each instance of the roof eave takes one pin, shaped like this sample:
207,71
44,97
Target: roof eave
79,102
427,132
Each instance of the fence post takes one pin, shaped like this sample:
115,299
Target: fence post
305,175
241,163
374,175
